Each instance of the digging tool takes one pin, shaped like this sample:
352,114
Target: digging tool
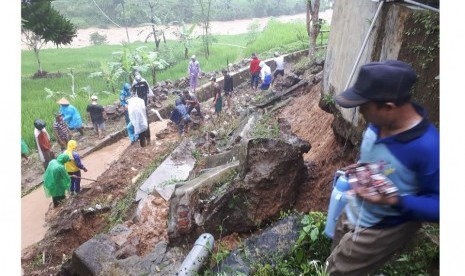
75,176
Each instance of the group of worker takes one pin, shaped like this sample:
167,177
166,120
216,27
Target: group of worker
261,72
64,172
134,99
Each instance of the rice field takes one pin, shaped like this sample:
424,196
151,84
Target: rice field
39,96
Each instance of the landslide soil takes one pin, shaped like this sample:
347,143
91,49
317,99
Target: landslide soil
69,228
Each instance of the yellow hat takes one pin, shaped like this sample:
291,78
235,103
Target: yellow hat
72,144
63,101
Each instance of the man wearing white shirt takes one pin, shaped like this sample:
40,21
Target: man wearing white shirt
279,60
265,75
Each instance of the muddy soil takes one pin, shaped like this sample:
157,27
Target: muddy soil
32,170
69,225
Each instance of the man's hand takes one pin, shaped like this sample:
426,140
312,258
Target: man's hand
376,198
85,170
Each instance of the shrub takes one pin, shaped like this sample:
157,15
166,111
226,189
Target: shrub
97,39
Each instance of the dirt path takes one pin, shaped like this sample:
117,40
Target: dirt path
35,205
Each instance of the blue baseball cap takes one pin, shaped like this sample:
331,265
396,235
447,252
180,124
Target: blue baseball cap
384,81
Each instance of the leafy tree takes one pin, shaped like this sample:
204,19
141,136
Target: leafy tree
313,26
41,23
156,23
184,36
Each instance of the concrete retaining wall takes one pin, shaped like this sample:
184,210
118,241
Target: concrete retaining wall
389,40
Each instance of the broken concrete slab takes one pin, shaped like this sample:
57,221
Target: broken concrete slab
98,257
232,155
183,219
175,168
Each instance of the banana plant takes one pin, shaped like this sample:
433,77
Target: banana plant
184,35
111,73
89,91
149,61
125,62
55,94
140,60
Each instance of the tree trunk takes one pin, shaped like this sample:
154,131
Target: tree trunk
127,34
205,13
152,20
36,52
154,75
313,26
157,40
126,27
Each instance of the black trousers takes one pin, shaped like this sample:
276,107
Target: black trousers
144,137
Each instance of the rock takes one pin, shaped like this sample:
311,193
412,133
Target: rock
239,197
273,242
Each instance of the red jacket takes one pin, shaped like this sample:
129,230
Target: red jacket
254,65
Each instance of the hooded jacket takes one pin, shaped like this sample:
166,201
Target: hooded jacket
125,94
74,164
137,114
56,179
71,116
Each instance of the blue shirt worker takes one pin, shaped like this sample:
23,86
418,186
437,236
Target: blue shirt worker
71,115
180,117
400,137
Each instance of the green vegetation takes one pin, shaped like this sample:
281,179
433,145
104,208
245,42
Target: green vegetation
309,253
76,65
425,28
266,127
97,39
418,258
328,99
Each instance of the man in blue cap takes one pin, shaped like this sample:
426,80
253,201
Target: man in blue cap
400,137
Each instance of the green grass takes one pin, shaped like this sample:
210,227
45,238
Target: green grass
277,36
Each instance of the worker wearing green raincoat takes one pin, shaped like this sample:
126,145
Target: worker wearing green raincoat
56,179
